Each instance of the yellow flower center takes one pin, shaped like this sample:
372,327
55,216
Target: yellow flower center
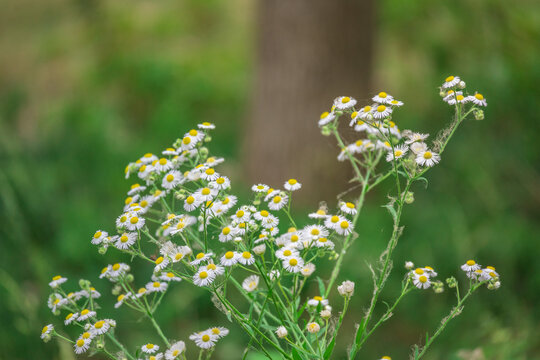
220,181
419,271
359,143
159,260
315,231
448,79
423,279
345,100
116,267
203,275
226,231
287,252
226,201
381,108
205,191
186,140
229,255
178,256
277,199
211,267
324,114
398,153
170,177
205,338
149,346
80,343
428,155
321,212
156,284
479,96
120,297
318,298
68,316
382,95
97,235
354,114
86,335
176,352
471,262
99,324
292,181
323,240
334,219
367,109
193,132
490,268
246,255
350,205
45,329
190,200
294,238
57,277
293,262
264,213
142,168
210,171
123,218
460,97
200,256
240,213
124,238
344,224
134,220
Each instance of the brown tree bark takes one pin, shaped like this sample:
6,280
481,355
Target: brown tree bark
308,53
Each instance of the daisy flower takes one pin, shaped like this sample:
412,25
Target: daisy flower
169,276
281,332
366,113
227,234
161,263
386,358
205,194
427,158
315,231
348,208
170,151
145,171
206,126
57,281
292,185
135,223
332,222
415,137
218,332
326,118
382,98
47,329
171,179
213,161
70,318
175,350
221,183
344,228
308,269
246,258
418,147
319,214
99,237
470,266
229,259
451,82
344,102
398,153
324,242
260,188
460,99
382,111
242,215
395,103
422,282
149,348
180,252
120,300
478,99
293,264
209,174
82,345
286,253
214,269
191,203
125,240
100,327
156,286
86,314
200,257
148,158
203,340
278,202
317,300
250,283
203,278
122,221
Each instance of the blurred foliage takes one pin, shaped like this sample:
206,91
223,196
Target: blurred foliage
86,86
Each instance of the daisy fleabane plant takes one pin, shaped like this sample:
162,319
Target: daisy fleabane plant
182,224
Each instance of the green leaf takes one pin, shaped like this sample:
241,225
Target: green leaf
424,180
392,211
322,289
329,349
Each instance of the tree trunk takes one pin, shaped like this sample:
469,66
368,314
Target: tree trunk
309,52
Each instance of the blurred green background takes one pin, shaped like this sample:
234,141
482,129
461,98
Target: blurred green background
87,86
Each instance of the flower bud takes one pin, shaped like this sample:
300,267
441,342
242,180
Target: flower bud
84,284
257,202
102,250
313,327
259,249
451,282
47,337
129,278
346,289
409,265
462,84
180,194
442,93
326,131
478,114
116,290
203,152
207,138
325,314
281,332
409,197
438,286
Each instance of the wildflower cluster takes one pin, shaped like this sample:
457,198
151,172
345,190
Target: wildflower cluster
182,221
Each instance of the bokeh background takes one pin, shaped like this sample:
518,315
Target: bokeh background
87,86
